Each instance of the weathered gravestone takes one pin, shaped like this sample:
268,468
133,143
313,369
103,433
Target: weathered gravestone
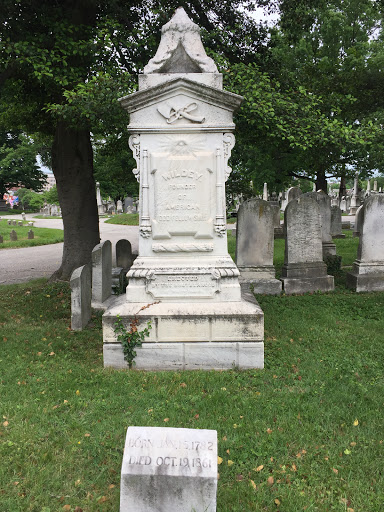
291,194
14,222
20,223
124,256
13,235
304,269
101,273
324,202
355,200
1,239
9,223
265,192
31,235
336,225
81,285
119,206
184,280
368,270
254,246
100,205
169,470
358,219
129,207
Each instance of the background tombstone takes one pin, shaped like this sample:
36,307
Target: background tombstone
13,235
169,470
9,223
124,257
336,226
368,270
100,206
278,228
304,269
358,219
101,273
291,194
31,235
254,246
324,202
14,222
81,283
128,205
119,206
265,192
20,223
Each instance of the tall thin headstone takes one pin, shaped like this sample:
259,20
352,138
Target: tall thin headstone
101,273
324,202
375,185
181,126
304,269
265,192
81,283
355,200
254,246
368,191
336,224
100,206
368,270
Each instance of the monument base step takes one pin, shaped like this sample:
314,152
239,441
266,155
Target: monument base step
365,282
188,356
188,336
263,286
304,285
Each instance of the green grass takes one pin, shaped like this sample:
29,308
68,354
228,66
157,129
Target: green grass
47,217
64,417
43,236
127,219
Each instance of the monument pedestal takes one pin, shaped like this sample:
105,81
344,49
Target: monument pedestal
306,277
366,277
190,336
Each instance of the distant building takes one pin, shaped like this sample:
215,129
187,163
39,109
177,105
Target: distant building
51,182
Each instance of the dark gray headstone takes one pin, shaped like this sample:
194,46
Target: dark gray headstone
81,281
124,254
101,273
31,235
13,235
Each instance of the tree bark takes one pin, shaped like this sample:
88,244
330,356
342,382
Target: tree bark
72,165
321,181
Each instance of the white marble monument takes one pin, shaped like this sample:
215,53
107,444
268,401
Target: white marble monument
184,281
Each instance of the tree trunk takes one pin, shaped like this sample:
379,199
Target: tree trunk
321,181
343,188
72,164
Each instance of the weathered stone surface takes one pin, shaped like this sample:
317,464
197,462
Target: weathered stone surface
81,283
101,273
368,270
336,225
304,270
31,235
13,235
324,202
169,470
119,283
254,246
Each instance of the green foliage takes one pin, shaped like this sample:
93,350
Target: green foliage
30,200
333,262
18,166
130,339
51,196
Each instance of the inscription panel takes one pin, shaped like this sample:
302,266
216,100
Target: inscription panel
164,284
303,231
183,181
171,451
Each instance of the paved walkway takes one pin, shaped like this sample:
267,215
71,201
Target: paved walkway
22,265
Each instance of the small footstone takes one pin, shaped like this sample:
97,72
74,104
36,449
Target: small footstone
31,235
169,470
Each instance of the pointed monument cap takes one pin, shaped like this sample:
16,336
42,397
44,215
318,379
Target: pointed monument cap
180,49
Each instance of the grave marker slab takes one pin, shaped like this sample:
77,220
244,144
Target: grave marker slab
101,273
336,224
304,270
81,282
324,202
13,235
124,256
169,470
31,235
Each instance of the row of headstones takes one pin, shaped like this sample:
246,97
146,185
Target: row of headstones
52,210
14,222
13,236
308,241
93,284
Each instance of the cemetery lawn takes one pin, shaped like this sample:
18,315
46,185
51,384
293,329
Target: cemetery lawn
127,219
43,236
305,433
